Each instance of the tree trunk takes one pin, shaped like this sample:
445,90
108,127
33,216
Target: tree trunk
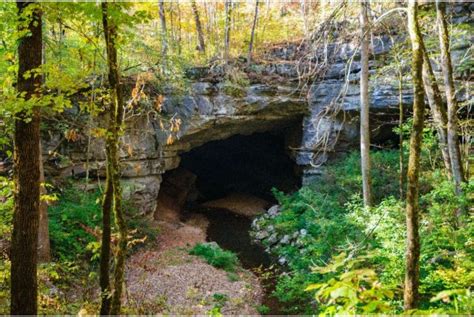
24,243
107,206
364,105
438,110
304,16
228,15
447,69
179,28
112,144
44,247
104,277
400,127
252,34
413,239
201,46
164,39
172,24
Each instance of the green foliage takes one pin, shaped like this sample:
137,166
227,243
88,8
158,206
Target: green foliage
350,288
215,312
75,223
263,309
446,263
220,299
5,266
72,222
327,217
290,291
6,207
458,301
316,220
216,256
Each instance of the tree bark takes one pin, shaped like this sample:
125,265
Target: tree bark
437,107
44,246
252,33
412,271
401,118
447,69
201,45
228,15
364,106
164,39
112,144
179,28
107,206
24,243
104,277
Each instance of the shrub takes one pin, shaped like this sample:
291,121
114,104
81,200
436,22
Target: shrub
316,219
350,287
6,207
216,256
327,217
75,224
72,221
263,309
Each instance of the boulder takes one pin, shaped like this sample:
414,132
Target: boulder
142,192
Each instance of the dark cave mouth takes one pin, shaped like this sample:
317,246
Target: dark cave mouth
248,164
235,174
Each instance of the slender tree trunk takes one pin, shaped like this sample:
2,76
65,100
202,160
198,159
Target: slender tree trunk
447,69
44,247
107,204
252,34
438,109
400,127
228,16
201,45
172,24
364,105
112,143
412,271
24,243
304,16
179,28
164,32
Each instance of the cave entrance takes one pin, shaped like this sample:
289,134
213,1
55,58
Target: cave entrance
246,164
239,172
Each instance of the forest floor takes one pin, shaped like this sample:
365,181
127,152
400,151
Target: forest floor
165,279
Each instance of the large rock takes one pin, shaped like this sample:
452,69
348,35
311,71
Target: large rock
142,192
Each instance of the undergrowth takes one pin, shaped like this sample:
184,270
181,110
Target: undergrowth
75,222
342,258
216,256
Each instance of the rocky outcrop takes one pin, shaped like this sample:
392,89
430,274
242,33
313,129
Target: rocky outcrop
215,108
210,111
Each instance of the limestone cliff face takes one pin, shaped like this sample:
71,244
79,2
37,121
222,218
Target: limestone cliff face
207,113
322,115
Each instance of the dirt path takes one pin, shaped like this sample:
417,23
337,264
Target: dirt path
167,280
